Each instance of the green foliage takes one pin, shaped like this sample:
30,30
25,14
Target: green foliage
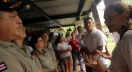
66,28
104,26
125,1
131,2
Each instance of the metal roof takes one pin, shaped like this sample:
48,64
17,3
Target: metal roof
55,13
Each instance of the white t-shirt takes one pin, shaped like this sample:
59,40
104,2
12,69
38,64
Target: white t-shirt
63,46
93,40
79,38
30,48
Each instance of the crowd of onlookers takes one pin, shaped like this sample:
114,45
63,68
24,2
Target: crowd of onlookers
52,53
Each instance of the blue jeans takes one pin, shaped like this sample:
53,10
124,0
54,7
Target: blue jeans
75,56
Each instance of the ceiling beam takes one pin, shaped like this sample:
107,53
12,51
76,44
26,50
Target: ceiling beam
39,10
33,20
45,27
62,26
26,21
42,27
63,16
36,8
89,10
80,7
94,4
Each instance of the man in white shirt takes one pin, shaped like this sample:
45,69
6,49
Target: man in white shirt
94,40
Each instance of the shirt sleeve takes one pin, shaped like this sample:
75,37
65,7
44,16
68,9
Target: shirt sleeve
9,64
71,42
101,38
69,47
77,42
58,47
127,51
37,62
50,45
84,42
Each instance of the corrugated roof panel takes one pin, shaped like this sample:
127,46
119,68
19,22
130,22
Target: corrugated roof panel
66,21
61,10
58,7
29,14
88,4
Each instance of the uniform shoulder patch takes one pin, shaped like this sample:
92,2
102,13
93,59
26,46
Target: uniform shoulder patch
2,66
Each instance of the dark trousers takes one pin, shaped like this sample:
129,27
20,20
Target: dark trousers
88,69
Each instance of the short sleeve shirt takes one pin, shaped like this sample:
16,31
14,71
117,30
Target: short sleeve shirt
63,46
93,40
15,59
51,51
44,60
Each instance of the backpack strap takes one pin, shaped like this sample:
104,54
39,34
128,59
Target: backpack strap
35,54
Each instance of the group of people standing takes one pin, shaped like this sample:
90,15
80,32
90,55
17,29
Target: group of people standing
80,43
14,56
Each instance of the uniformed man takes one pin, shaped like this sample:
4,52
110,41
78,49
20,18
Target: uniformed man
11,59
49,48
19,43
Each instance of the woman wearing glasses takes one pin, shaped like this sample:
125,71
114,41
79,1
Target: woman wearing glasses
42,58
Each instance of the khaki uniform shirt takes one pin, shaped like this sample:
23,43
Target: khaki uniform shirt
51,51
14,59
25,52
44,60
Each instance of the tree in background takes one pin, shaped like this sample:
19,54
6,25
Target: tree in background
127,1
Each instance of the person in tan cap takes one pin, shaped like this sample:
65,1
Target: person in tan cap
11,57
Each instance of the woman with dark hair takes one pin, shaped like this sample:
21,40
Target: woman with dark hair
118,18
76,31
63,50
42,58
